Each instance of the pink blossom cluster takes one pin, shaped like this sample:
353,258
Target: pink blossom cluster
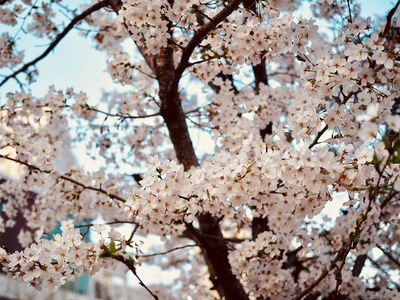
49,263
318,125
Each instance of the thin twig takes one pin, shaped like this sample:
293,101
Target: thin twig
132,268
311,287
388,198
351,244
389,255
199,125
63,177
379,266
201,61
196,39
350,17
59,37
345,99
109,223
169,251
318,137
124,116
24,19
132,233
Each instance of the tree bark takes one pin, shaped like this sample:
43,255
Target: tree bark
359,265
209,234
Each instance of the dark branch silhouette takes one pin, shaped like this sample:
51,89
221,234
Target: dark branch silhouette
389,18
198,37
66,178
59,37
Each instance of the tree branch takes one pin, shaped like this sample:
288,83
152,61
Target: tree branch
388,198
380,267
131,266
215,251
359,265
198,37
311,287
349,8
389,255
59,37
322,131
63,177
122,115
318,137
170,250
108,223
389,19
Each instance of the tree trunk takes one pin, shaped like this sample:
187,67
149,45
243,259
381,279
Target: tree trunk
209,234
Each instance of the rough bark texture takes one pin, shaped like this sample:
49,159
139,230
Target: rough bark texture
172,112
216,255
209,234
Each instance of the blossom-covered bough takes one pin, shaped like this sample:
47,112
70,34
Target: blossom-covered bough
299,118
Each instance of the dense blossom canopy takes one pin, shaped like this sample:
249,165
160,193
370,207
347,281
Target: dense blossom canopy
301,116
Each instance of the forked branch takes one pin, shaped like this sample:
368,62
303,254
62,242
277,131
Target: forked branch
198,37
389,18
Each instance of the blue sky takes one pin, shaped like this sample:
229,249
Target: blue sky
76,63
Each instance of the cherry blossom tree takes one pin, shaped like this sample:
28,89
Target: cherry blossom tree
301,116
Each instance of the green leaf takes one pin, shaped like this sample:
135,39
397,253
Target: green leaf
376,162
130,262
332,265
112,247
364,217
371,188
104,255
